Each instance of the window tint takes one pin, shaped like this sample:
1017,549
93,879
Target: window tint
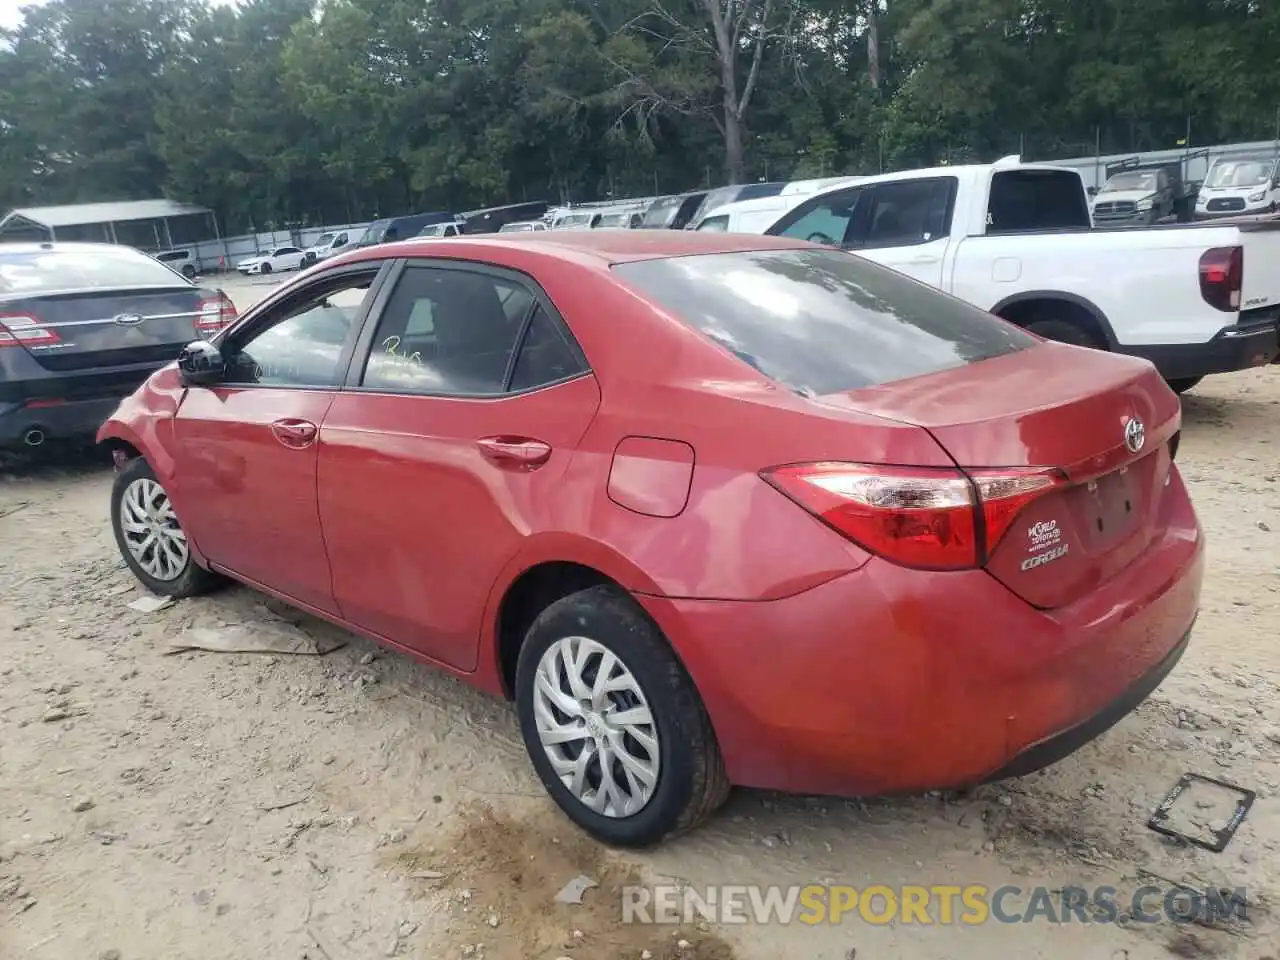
446,331
1037,200
545,356
302,345
822,321
827,219
909,211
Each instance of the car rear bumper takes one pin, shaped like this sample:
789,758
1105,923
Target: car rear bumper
886,681
1233,348
1061,745
54,420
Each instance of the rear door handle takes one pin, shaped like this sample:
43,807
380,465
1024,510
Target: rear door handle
294,433
515,451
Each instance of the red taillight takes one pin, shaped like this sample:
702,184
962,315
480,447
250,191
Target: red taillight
215,313
925,517
24,331
1221,277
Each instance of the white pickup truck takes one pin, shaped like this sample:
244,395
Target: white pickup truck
1018,240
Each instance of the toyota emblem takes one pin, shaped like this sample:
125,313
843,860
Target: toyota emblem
1135,434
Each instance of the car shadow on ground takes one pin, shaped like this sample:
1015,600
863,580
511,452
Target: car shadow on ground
53,460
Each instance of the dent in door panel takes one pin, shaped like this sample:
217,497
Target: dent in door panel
651,476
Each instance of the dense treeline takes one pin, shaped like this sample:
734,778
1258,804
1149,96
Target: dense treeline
291,110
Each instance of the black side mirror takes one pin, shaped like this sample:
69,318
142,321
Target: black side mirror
201,364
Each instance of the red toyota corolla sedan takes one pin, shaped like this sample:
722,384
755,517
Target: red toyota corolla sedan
711,509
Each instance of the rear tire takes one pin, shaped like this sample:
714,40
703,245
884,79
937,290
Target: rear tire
1063,331
144,524
1183,384
189,271
567,646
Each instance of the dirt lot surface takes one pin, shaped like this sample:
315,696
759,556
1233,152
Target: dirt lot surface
359,805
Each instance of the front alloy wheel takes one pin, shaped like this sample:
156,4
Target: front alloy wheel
151,532
151,538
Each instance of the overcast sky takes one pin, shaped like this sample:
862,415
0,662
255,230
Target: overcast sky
11,12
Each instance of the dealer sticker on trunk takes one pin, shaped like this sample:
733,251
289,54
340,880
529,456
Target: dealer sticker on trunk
1044,544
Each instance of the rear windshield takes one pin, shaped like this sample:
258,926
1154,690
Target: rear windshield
757,191
46,271
822,321
1037,200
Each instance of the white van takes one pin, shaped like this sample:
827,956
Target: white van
327,246
1240,186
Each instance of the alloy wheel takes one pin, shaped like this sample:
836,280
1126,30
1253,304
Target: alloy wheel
597,729
151,531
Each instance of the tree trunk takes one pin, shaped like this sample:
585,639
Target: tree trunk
873,43
735,161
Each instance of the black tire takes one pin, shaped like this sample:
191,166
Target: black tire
188,271
266,268
192,579
691,781
1183,384
1065,332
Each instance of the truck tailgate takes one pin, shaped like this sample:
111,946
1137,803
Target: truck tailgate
1261,242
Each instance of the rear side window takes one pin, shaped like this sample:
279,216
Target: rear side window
822,321
448,332
1037,200
44,271
909,211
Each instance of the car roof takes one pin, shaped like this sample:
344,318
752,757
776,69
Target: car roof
604,246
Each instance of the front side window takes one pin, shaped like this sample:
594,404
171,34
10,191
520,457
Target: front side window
828,219
302,342
718,224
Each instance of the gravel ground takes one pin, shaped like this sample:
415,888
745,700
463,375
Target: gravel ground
357,805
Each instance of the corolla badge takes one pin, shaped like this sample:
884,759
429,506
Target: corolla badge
1135,434
127,319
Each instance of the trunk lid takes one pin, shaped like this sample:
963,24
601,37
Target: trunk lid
80,330
1058,408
